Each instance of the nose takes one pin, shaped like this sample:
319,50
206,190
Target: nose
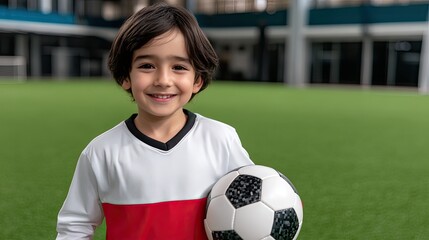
163,78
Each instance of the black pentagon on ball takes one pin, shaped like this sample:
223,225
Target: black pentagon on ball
225,235
244,190
285,224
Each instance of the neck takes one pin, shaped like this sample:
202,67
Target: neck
161,129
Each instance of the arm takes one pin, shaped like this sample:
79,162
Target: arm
238,155
81,212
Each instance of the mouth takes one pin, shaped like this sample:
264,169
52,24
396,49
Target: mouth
162,97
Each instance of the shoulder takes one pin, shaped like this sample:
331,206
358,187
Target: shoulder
214,128
222,140
111,138
212,124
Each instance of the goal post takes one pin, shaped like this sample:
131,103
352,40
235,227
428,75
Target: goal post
13,68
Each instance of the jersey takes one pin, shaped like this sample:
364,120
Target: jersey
145,189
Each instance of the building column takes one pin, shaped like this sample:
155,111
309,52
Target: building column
65,6
424,63
45,6
367,61
297,46
21,48
21,55
22,51
60,62
36,57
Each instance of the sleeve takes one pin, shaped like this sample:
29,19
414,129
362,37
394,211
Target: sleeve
238,155
81,212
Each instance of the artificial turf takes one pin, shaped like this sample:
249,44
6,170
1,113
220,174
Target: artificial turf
359,158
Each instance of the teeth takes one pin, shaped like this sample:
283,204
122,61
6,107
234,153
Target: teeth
162,96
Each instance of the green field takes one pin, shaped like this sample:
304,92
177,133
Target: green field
359,158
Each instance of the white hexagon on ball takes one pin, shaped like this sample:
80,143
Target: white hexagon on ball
254,221
277,193
220,214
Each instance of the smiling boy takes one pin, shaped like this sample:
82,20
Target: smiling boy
149,176
162,80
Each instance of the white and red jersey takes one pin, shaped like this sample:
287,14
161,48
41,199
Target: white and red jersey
146,189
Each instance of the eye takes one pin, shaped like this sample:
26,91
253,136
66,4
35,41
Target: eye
180,68
146,66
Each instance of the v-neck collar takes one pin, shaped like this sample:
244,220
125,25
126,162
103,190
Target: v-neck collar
155,143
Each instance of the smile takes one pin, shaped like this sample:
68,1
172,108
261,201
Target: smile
162,96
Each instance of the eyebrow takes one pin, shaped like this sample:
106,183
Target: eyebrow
172,57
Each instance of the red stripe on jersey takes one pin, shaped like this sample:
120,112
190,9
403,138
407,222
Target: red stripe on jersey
158,221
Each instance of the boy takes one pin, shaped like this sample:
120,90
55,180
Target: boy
149,176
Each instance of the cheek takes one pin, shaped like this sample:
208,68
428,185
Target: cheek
184,83
138,82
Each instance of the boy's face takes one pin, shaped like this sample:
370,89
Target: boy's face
162,79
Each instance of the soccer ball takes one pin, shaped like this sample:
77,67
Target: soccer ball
253,202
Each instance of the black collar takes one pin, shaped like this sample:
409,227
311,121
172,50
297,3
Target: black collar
155,143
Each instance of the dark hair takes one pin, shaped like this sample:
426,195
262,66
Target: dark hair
156,20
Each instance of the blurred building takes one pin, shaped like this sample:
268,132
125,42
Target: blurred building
299,42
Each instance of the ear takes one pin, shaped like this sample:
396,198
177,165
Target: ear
126,84
197,85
